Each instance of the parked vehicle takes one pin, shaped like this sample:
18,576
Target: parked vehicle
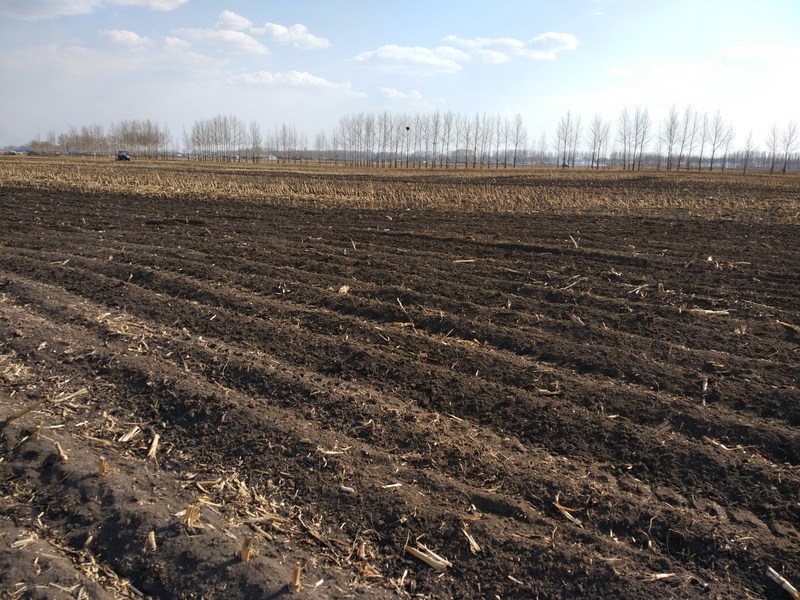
123,155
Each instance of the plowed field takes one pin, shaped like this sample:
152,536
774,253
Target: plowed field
558,406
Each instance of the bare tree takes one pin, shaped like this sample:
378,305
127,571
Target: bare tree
704,135
624,135
717,135
384,125
497,131
256,140
789,140
369,136
598,137
519,137
507,130
418,133
688,129
447,135
726,144
773,137
481,136
641,128
575,139
747,153
435,126
563,139
466,136
287,137
669,133
541,151
320,144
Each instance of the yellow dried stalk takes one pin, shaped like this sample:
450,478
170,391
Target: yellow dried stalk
429,557
135,430
295,585
192,515
61,454
474,547
102,466
151,541
151,454
417,188
247,552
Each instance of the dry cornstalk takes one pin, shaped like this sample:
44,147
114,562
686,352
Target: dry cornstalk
25,542
794,328
295,585
77,394
37,432
61,454
102,466
783,582
135,430
474,547
566,512
151,454
151,541
661,576
429,557
192,515
247,552
704,311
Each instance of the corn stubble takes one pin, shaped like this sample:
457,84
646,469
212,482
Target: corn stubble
520,190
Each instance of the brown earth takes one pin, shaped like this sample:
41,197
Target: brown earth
560,406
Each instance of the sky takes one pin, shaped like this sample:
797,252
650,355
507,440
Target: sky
309,62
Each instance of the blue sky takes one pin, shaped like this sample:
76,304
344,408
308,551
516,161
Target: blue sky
308,62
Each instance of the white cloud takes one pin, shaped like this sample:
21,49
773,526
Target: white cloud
176,43
34,10
544,46
163,5
290,78
413,95
416,59
503,44
224,40
494,57
231,20
297,35
126,38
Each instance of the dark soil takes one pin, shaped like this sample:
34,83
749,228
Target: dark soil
607,405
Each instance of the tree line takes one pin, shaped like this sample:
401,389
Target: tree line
685,139
144,138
